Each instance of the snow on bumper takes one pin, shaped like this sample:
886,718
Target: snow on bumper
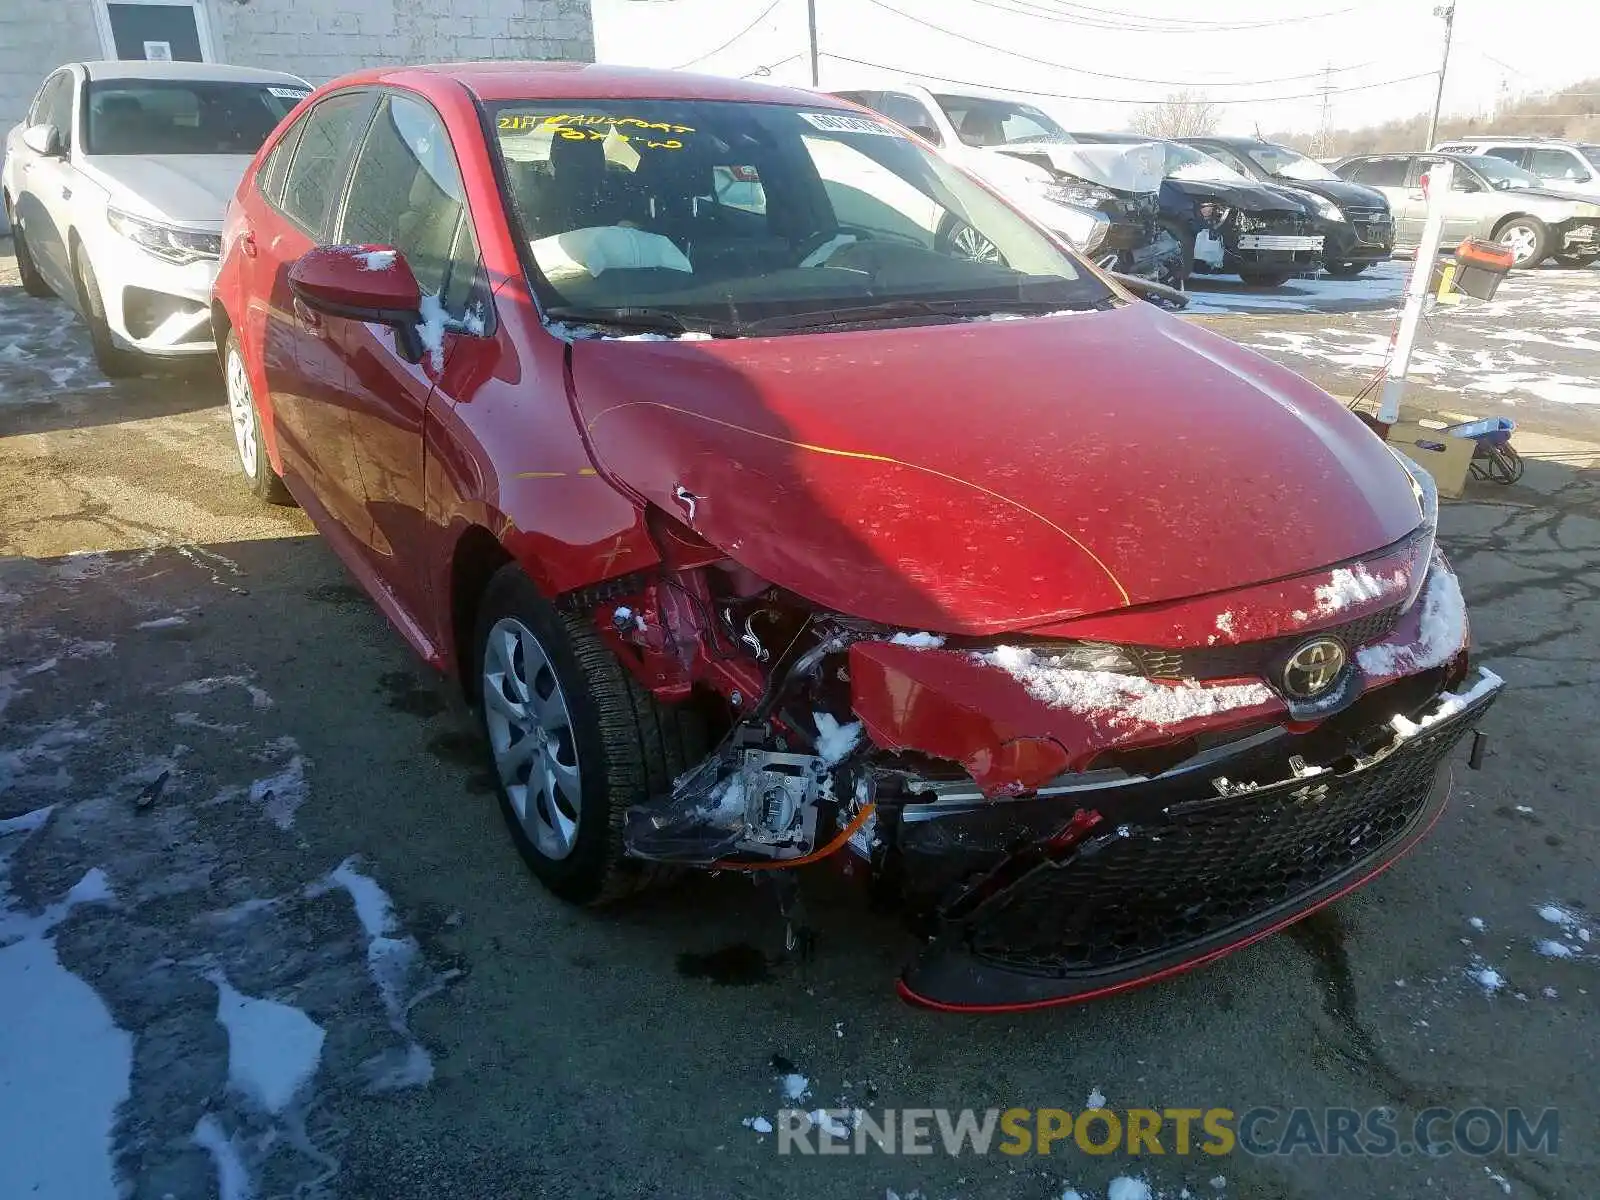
1015,721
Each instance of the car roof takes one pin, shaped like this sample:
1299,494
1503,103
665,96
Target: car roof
496,81
196,71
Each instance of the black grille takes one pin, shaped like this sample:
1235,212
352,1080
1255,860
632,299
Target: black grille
1278,224
1255,658
1369,215
1131,895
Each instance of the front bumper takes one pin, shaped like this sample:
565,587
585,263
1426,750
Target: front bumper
1581,236
1360,239
154,306
1088,889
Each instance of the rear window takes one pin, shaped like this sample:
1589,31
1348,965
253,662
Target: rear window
174,116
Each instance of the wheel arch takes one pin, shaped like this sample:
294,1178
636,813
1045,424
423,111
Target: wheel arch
221,327
474,560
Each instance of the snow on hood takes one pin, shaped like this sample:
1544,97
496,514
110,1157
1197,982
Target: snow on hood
191,189
1137,167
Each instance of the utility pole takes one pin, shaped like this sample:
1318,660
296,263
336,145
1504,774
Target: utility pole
1325,130
811,28
1448,12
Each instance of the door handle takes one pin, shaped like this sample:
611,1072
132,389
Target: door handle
1416,195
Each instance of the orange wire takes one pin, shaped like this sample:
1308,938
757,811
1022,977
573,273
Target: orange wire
815,856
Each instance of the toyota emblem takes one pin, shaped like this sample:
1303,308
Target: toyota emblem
1313,668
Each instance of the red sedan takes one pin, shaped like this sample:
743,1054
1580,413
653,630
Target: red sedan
763,527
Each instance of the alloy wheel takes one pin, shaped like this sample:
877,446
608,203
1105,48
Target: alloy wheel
241,410
531,738
968,243
1521,240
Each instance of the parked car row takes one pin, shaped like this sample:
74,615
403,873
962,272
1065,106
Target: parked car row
1168,210
766,523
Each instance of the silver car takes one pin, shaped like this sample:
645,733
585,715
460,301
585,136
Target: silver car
1489,198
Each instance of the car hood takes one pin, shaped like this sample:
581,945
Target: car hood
1340,191
993,475
193,189
1592,202
1124,167
1252,197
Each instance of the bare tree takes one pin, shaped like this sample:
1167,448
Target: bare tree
1181,114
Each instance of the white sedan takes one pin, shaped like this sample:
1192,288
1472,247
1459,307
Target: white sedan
116,185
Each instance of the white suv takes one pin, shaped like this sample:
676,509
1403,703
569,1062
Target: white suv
116,185
1560,165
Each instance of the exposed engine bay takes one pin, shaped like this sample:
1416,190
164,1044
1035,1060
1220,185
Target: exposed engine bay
951,770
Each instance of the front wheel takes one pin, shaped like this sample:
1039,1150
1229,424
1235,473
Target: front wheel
27,270
113,361
1345,270
1269,279
246,421
959,240
1528,240
576,741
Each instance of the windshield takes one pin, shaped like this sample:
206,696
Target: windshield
1288,164
980,121
1185,162
734,212
176,116
1502,176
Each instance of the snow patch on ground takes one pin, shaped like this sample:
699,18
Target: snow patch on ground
65,1065
1097,1099
280,795
1118,699
835,741
759,1124
1487,978
1125,1188
1443,625
794,1086
1554,949
204,687
273,1048
1477,923
233,1177
163,623
391,961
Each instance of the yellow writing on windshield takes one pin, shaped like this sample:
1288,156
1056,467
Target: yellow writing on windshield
576,121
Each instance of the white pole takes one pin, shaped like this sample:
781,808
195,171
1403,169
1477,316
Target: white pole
1417,288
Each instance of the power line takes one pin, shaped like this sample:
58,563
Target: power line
1123,100
1089,17
1046,62
713,53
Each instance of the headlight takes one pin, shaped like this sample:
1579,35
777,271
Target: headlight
1212,212
1326,209
166,241
1426,494
1087,656
1088,195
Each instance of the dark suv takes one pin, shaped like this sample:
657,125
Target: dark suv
1355,222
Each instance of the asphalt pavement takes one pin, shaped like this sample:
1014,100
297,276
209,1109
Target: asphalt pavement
262,933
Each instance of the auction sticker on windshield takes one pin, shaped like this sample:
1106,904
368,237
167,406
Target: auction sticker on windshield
287,93
845,123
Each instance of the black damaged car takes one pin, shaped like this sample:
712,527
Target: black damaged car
1229,224
1355,222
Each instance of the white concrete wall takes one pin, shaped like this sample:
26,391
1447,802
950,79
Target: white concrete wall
325,38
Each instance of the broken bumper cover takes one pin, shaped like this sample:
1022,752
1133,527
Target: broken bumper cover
1081,891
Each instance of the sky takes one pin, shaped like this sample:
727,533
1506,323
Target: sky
1272,61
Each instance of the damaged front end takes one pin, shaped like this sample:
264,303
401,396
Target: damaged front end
1067,812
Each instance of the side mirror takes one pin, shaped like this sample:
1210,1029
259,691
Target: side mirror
362,283
927,133
1582,177
44,139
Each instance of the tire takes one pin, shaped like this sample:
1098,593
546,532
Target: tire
1345,270
1576,260
113,361
959,240
27,270
1527,238
245,418
1265,278
620,744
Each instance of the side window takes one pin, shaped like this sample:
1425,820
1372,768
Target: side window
269,180
1419,168
1379,172
54,106
911,113
1229,158
322,157
1557,164
1512,154
406,192
872,100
